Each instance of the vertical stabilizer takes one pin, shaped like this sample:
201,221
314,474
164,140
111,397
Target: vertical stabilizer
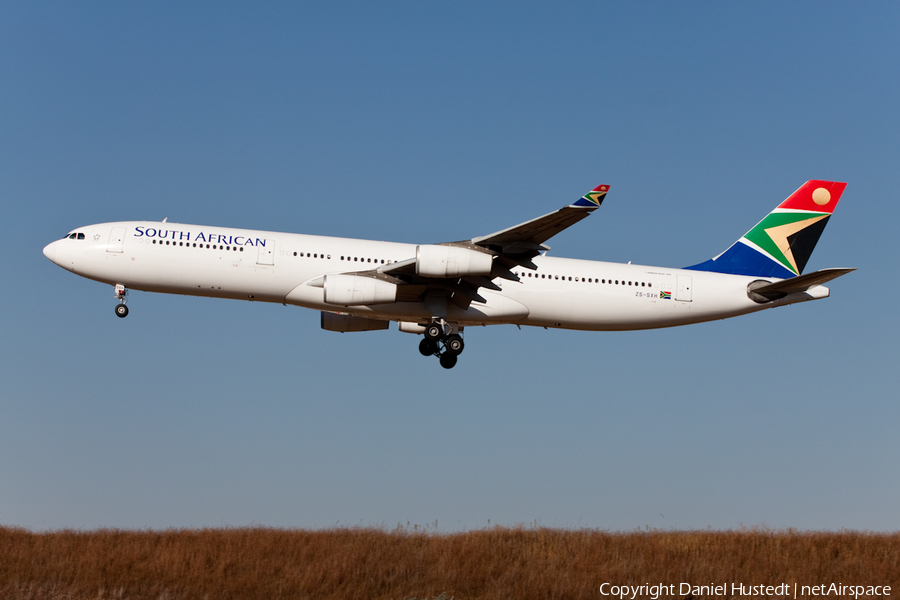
780,245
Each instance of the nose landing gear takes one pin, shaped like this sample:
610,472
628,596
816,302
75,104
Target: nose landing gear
121,309
444,341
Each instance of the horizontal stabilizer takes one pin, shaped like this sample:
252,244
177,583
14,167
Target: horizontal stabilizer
766,292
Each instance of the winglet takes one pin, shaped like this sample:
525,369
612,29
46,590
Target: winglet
594,198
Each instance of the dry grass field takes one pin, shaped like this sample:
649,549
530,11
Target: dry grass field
257,563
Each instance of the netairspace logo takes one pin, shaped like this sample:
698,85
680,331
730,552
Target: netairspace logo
785,590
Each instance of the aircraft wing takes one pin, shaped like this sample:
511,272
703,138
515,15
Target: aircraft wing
511,247
517,245
531,235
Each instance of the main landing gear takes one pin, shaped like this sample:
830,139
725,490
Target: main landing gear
121,309
446,345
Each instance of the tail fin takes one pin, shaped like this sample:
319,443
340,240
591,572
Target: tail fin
780,245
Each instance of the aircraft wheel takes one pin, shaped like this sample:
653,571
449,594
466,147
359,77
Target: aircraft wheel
121,311
454,344
434,332
448,360
427,347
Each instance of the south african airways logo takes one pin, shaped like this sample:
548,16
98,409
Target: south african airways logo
187,236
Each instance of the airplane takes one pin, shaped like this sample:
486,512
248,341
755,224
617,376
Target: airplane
436,290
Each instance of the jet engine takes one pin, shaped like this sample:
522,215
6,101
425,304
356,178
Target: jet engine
351,290
451,261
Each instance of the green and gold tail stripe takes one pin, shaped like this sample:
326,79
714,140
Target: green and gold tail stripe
786,236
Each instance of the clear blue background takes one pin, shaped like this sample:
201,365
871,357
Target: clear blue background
429,122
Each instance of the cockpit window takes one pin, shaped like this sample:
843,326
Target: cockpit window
71,236
74,236
80,236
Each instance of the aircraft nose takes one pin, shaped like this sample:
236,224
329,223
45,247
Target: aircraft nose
50,251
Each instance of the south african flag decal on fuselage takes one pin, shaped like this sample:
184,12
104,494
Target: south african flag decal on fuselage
665,295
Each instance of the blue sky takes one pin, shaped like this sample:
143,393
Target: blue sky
426,122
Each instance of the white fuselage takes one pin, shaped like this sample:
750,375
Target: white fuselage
280,267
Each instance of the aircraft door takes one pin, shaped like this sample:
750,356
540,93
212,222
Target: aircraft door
684,289
116,240
266,253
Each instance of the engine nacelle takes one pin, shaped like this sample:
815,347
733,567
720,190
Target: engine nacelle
346,323
415,328
351,290
451,261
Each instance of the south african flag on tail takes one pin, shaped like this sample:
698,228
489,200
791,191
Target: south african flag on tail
780,245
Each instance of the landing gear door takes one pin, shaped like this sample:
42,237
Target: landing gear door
684,289
266,253
116,240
